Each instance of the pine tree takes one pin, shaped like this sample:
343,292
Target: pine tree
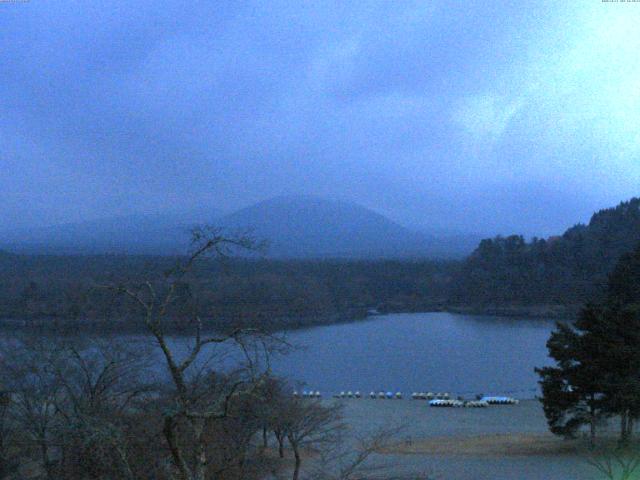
597,372
620,360
572,390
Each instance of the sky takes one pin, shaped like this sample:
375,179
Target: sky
468,116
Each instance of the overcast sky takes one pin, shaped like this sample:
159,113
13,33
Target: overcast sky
482,116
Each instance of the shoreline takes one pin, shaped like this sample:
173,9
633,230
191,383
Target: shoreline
57,324
471,444
550,311
490,445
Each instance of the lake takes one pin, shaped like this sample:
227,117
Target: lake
437,351
459,354
434,351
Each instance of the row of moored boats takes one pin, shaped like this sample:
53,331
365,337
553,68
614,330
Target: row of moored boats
435,399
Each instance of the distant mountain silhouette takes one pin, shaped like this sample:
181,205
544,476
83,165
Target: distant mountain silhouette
131,234
294,227
314,227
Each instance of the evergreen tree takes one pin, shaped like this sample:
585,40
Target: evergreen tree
597,371
624,282
572,390
620,360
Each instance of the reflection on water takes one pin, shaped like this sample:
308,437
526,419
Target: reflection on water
439,352
461,354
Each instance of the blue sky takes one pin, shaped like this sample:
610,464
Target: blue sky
490,117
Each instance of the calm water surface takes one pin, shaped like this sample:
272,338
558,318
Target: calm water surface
437,351
461,354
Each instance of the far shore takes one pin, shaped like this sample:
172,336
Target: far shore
132,326
557,312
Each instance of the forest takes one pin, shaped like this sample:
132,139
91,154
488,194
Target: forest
90,407
566,270
507,275
273,294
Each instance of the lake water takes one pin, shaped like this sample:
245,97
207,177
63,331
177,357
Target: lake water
444,352
436,351
439,352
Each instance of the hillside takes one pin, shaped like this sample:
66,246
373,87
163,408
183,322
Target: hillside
569,269
302,227
45,289
305,226
131,234
314,227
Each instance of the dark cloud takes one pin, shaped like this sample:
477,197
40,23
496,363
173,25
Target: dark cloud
468,116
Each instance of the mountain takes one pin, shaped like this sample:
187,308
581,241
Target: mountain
307,226
131,234
294,227
569,269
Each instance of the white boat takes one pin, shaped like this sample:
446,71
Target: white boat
441,402
476,404
496,400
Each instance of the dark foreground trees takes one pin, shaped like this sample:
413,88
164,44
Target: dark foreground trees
597,372
95,409
572,392
70,406
125,407
194,404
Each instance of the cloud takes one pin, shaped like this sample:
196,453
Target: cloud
484,118
417,107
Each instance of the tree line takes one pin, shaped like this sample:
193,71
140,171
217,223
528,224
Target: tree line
596,375
102,408
568,270
274,293
503,275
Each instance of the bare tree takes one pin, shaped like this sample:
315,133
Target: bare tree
350,458
103,381
268,407
193,404
103,376
35,390
70,395
308,423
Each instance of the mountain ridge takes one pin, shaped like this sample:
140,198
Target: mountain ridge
296,226
570,268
